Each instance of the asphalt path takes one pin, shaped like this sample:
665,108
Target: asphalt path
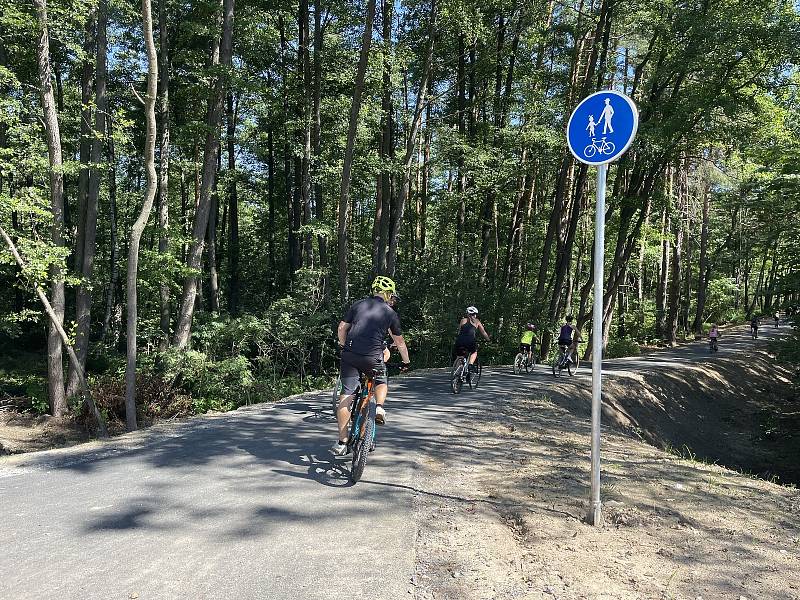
250,504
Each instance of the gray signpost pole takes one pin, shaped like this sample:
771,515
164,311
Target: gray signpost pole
595,514
597,142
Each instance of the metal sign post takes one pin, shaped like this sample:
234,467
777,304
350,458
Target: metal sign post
600,130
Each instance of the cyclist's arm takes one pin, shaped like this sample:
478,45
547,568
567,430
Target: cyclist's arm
483,332
344,327
400,342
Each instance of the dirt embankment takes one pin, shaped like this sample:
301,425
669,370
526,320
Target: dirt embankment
741,412
504,519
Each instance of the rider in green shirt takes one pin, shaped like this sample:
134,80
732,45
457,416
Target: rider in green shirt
526,339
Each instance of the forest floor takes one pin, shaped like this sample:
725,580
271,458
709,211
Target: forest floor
676,525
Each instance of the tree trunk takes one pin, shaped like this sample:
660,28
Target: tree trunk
233,213
141,221
165,307
57,324
271,213
677,263
292,215
424,191
410,145
83,299
211,247
461,175
316,145
355,109
663,272
113,283
55,367
214,120
304,135
84,148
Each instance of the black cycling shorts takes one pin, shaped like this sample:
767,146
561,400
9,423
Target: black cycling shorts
524,347
353,365
565,342
460,349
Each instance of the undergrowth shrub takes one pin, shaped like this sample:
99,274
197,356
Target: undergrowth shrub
622,347
156,399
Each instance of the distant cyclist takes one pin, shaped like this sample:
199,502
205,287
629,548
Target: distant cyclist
567,336
713,336
526,339
468,329
754,327
361,333
777,320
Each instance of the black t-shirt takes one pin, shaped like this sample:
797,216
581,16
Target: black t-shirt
369,320
467,333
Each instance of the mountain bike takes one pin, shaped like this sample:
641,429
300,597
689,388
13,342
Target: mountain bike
525,360
713,346
461,373
361,440
562,361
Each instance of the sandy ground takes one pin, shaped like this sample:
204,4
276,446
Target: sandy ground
506,520
24,432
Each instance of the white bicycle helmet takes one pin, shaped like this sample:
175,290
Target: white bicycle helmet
471,310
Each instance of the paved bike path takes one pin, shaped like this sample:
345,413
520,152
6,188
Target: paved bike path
248,504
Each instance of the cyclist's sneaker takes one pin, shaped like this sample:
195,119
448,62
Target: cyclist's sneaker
380,415
339,449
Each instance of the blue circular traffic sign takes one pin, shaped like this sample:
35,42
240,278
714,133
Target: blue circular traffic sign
602,127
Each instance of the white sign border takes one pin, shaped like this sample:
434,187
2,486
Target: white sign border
630,140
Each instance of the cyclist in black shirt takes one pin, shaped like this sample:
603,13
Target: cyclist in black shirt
361,333
468,329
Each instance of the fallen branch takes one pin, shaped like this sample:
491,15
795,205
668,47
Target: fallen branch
102,431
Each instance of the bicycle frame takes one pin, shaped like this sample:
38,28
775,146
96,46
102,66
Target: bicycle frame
358,412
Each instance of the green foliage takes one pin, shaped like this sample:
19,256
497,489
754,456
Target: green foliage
721,303
214,385
622,347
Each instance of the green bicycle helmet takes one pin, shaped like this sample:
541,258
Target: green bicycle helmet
383,284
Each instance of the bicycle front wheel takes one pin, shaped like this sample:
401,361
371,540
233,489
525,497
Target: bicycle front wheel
475,378
456,377
572,365
363,443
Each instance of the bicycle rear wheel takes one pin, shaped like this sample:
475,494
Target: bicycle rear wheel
519,360
364,440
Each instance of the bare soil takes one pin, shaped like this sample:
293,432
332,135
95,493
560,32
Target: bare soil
26,432
506,520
